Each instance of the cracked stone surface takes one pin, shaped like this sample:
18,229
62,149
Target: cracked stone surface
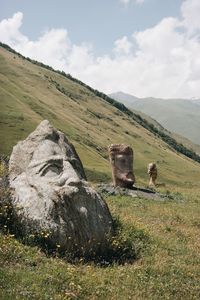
50,194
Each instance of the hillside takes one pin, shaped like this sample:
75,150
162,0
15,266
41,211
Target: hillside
30,93
156,249
177,115
179,138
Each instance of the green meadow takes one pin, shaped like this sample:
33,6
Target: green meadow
156,246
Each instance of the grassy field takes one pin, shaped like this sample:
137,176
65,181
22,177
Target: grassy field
166,241
156,247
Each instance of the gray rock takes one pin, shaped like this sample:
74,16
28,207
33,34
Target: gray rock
134,192
51,196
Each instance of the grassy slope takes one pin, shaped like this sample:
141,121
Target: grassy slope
28,94
177,115
179,138
129,101
181,116
167,267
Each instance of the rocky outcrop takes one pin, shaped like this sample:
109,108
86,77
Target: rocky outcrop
135,192
50,194
121,160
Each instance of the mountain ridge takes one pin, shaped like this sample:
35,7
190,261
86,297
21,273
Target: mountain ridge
31,92
177,115
120,94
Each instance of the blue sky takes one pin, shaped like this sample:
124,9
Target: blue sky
99,22
141,47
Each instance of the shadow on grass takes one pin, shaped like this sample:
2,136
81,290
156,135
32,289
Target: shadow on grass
126,245
97,176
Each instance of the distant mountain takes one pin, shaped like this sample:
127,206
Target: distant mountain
128,99
31,92
181,116
179,138
197,101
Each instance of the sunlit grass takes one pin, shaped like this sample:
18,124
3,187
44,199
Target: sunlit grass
165,235
155,253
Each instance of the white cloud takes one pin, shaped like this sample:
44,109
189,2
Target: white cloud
9,30
190,11
125,2
162,61
123,46
53,47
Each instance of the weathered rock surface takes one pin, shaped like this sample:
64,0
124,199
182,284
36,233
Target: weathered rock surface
50,194
121,160
134,192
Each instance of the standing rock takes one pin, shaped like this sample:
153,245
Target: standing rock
50,194
153,173
121,160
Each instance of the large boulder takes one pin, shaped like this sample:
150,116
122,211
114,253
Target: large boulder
51,196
